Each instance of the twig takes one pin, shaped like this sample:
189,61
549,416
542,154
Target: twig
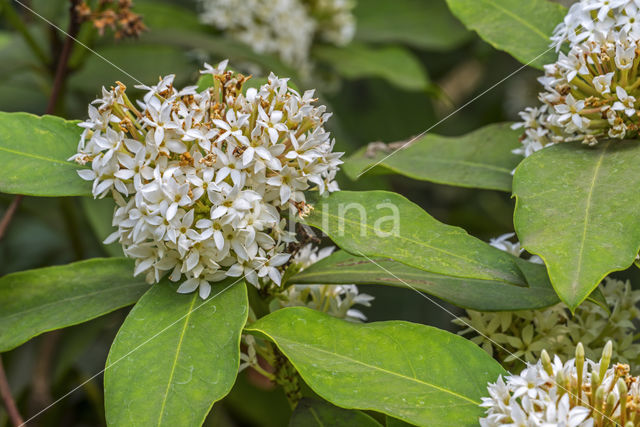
8,215
41,382
62,69
7,398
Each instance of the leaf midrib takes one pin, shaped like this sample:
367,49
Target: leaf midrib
65,300
596,172
416,380
452,254
315,416
456,162
175,360
35,156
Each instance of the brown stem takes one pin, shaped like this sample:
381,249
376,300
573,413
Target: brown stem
63,61
41,381
8,215
7,398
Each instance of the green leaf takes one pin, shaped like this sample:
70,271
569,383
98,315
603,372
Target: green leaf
395,64
174,356
393,422
412,372
34,151
419,23
312,412
482,295
481,159
577,208
41,300
380,223
520,28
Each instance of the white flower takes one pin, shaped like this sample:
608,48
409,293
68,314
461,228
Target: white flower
570,111
191,202
625,102
603,83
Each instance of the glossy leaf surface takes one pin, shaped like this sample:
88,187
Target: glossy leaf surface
174,356
409,371
577,208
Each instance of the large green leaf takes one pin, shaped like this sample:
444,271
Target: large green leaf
380,223
423,24
395,64
412,372
482,295
174,356
521,28
316,413
34,151
481,159
577,208
41,300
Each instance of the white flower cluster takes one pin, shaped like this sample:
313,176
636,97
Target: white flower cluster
336,300
285,27
203,180
578,393
591,92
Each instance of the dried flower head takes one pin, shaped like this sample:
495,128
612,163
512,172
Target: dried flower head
285,27
204,181
591,92
578,393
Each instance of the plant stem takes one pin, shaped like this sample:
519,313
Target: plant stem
16,22
41,378
7,398
62,66
8,216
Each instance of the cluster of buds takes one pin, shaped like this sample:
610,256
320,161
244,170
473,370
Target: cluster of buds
335,300
578,393
113,14
284,27
593,91
516,337
204,181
